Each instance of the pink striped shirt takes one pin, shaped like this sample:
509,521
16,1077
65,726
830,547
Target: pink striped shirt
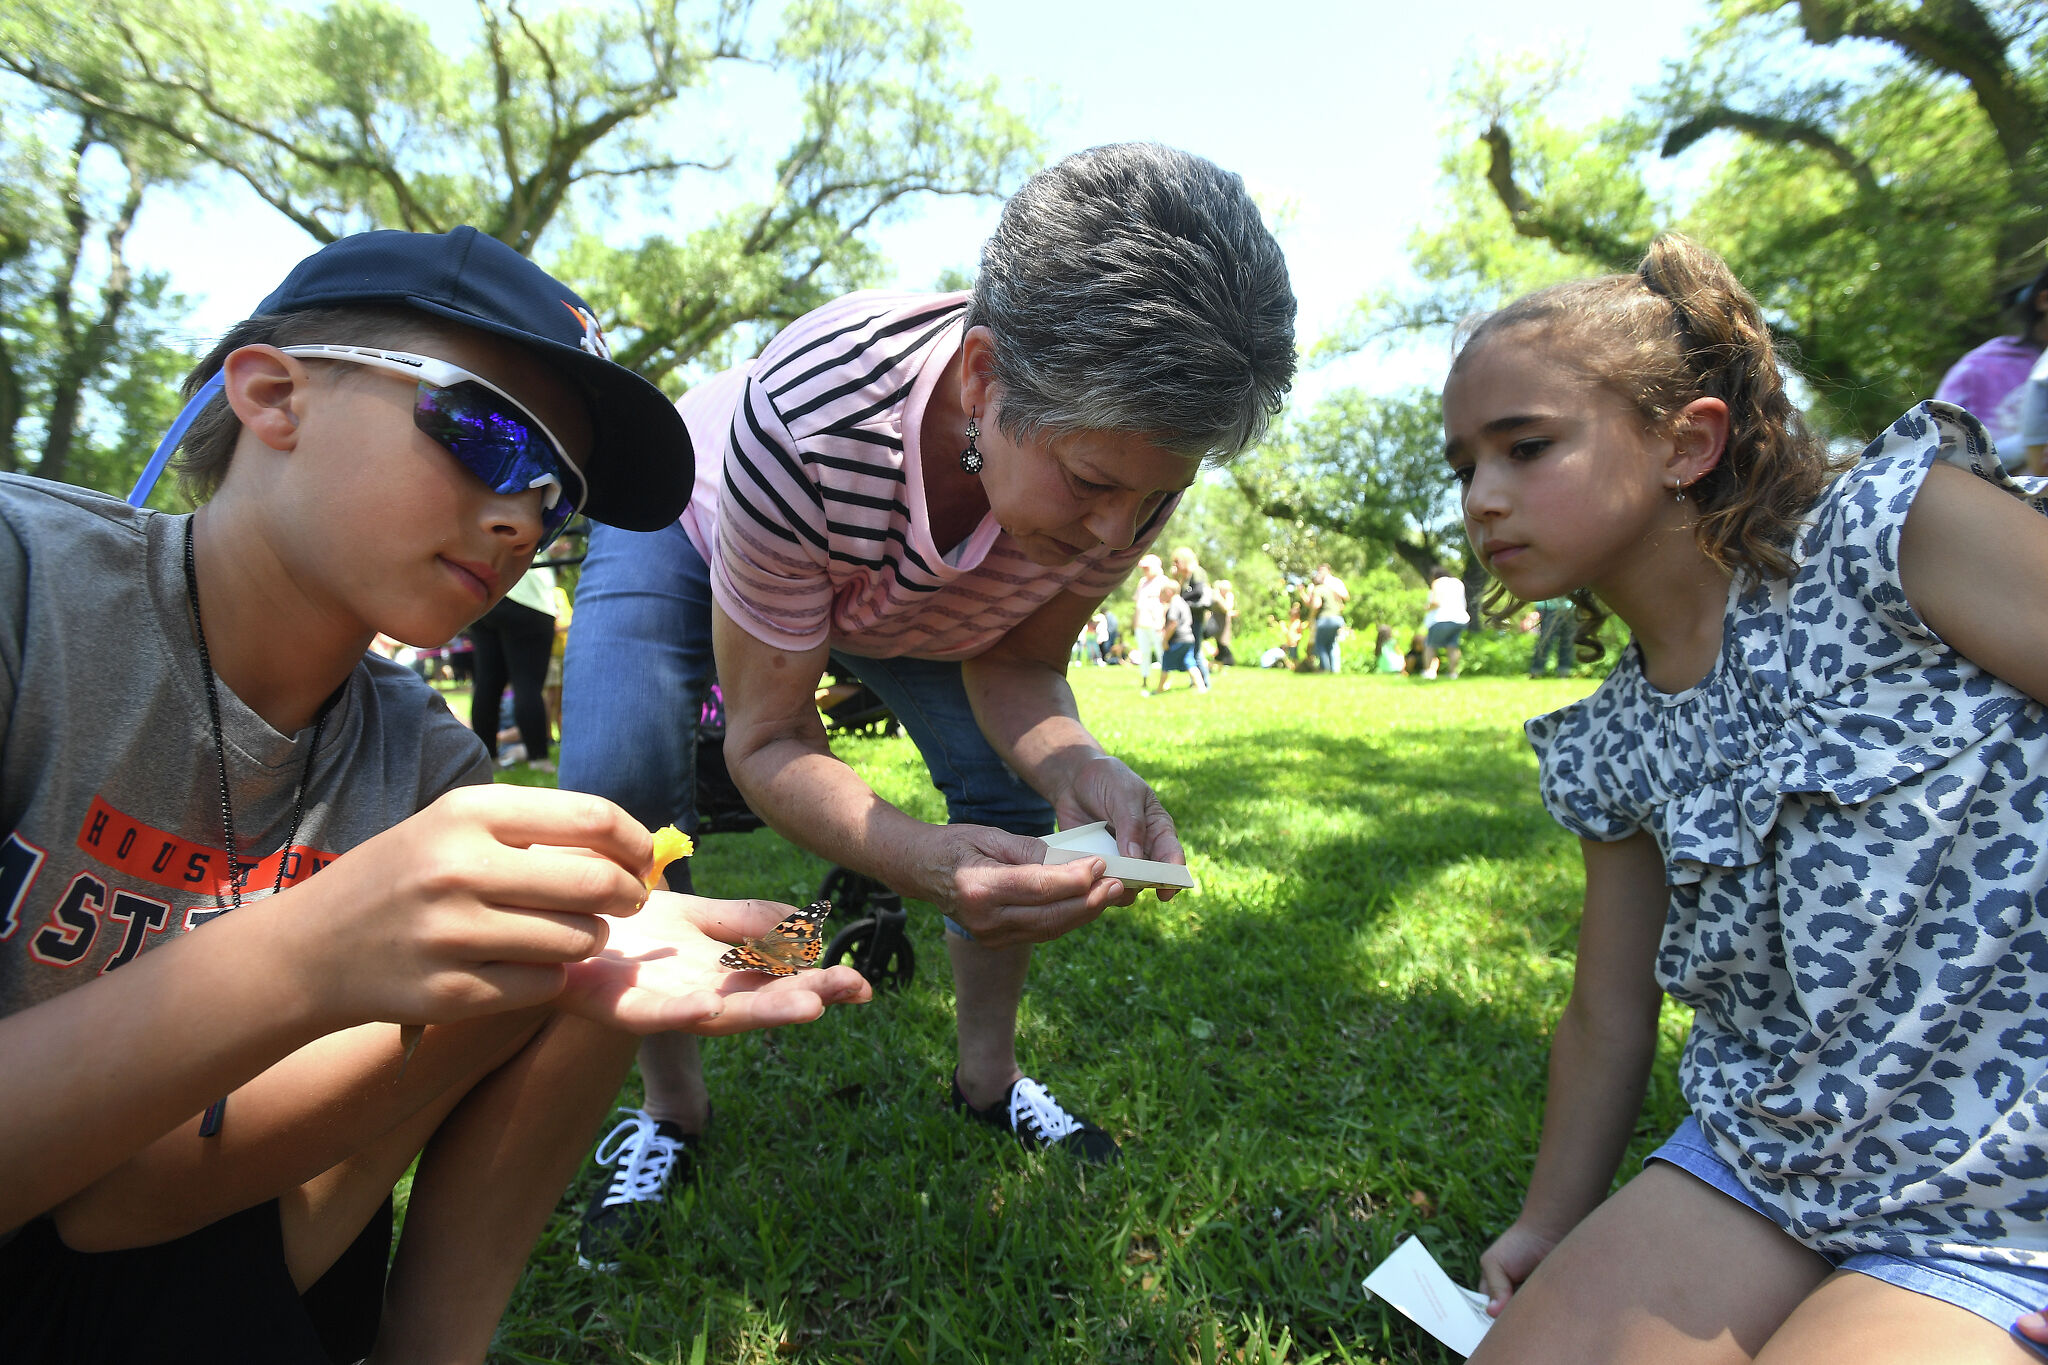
810,504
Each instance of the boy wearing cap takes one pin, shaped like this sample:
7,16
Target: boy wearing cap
190,726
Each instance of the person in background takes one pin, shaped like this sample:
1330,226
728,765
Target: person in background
1445,617
2033,431
1183,652
1200,597
1327,595
1990,380
1148,619
1387,654
1557,621
1109,637
513,641
1223,621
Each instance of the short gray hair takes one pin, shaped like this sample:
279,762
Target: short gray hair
1135,288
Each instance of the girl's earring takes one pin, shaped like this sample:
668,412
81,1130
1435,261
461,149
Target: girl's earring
970,458
1678,492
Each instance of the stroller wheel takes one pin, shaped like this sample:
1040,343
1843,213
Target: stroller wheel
877,948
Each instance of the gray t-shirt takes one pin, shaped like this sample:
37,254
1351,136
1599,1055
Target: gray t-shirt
109,787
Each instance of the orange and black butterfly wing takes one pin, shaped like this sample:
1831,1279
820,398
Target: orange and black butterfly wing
786,949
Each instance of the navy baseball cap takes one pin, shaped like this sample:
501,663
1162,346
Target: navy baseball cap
641,465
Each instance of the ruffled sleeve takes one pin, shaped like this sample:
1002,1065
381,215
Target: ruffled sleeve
1590,775
1824,686
1850,549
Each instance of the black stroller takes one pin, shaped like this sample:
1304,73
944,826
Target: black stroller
872,937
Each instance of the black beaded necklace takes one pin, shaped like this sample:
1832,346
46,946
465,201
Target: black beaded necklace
210,1124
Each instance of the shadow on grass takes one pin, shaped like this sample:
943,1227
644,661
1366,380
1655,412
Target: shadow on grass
1340,1042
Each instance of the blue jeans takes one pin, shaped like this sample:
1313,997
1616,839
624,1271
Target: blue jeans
1327,629
1997,1293
639,664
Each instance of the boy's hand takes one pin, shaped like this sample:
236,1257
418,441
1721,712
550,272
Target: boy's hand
660,971
472,906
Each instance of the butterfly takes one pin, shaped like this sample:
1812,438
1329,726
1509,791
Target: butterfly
787,948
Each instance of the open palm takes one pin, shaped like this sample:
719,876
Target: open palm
660,971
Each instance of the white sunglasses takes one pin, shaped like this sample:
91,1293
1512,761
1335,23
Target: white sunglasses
491,433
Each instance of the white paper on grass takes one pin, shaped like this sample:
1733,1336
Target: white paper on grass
1413,1282
1095,841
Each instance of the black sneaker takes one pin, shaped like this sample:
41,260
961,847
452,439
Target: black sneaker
651,1154
1036,1119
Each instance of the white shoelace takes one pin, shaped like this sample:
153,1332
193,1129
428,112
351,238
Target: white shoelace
644,1157
1033,1109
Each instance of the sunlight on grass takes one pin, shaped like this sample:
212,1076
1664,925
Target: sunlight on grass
1338,1043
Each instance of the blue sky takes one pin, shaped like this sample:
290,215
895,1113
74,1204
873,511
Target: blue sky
1332,112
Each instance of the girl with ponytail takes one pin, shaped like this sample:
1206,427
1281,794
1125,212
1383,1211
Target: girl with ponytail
1809,797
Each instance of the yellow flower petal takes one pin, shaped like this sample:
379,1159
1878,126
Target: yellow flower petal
670,844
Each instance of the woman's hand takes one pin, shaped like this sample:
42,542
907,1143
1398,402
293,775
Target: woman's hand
659,971
1511,1259
1104,787
472,906
996,886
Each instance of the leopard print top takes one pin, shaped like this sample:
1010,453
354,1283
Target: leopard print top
1850,815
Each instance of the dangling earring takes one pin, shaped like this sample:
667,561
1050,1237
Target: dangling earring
970,458
1678,492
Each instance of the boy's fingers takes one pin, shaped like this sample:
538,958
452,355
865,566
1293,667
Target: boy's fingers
493,987
517,934
526,816
555,879
728,921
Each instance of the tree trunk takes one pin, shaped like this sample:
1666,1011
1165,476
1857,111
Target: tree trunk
10,410
85,348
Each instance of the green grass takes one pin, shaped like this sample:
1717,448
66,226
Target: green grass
1339,1042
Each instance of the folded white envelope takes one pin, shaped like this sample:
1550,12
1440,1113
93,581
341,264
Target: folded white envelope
1095,841
1413,1282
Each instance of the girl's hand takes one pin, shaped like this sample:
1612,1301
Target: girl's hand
1509,1261
2034,1327
472,906
1104,788
659,971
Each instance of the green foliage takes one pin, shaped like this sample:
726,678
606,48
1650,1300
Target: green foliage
1366,468
1339,1042
83,355
353,116
1876,196
1383,597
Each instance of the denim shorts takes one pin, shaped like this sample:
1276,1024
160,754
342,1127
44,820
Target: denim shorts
1997,1293
1444,634
639,663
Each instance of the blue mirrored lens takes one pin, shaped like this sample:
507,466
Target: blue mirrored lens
499,444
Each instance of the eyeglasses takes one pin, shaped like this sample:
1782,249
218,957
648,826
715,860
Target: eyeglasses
486,429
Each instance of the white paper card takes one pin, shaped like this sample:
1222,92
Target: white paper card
1095,841
1413,1282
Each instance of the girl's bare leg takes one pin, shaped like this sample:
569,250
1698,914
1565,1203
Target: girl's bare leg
1854,1318
1669,1269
